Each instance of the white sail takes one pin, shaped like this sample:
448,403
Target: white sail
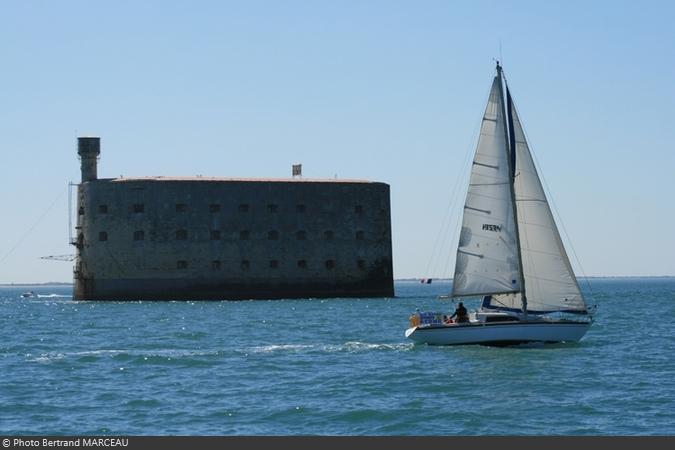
487,257
550,284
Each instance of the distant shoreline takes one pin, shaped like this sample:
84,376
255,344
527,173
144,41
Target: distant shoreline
59,283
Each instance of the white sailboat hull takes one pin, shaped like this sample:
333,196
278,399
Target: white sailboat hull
499,333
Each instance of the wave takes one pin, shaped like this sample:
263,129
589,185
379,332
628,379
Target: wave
358,347
169,354
280,347
161,353
348,347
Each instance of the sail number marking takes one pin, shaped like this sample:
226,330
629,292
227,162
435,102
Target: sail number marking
490,227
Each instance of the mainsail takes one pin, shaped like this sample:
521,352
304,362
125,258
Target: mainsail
498,256
487,255
549,280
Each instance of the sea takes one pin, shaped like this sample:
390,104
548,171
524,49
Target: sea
327,367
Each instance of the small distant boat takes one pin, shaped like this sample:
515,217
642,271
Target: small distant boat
28,294
510,252
426,280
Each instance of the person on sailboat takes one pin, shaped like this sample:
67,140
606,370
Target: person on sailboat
461,313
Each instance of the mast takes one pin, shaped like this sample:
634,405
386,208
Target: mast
511,148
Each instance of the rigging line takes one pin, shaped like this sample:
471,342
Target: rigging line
555,208
465,179
530,253
569,240
494,299
28,231
435,249
512,148
520,211
453,230
445,225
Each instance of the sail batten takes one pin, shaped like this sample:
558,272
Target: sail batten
486,165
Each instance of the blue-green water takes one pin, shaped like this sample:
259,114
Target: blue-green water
329,367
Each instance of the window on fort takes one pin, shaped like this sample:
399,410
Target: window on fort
214,207
181,207
301,235
301,208
215,265
330,264
243,207
139,235
181,264
181,235
103,209
273,235
274,264
302,264
138,207
358,209
244,235
215,235
245,264
102,236
328,235
272,208
80,211
360,235
361,264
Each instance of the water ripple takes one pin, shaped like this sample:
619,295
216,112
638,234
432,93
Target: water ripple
335,366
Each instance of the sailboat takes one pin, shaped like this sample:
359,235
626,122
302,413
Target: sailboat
509,252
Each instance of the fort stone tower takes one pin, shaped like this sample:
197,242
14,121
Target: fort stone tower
207,238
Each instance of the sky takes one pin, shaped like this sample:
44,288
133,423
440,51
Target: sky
389,91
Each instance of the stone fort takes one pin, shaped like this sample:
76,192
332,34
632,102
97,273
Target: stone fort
205,238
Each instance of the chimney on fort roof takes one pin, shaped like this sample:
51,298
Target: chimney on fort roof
88,148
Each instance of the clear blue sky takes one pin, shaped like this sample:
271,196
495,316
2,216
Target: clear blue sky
390,91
